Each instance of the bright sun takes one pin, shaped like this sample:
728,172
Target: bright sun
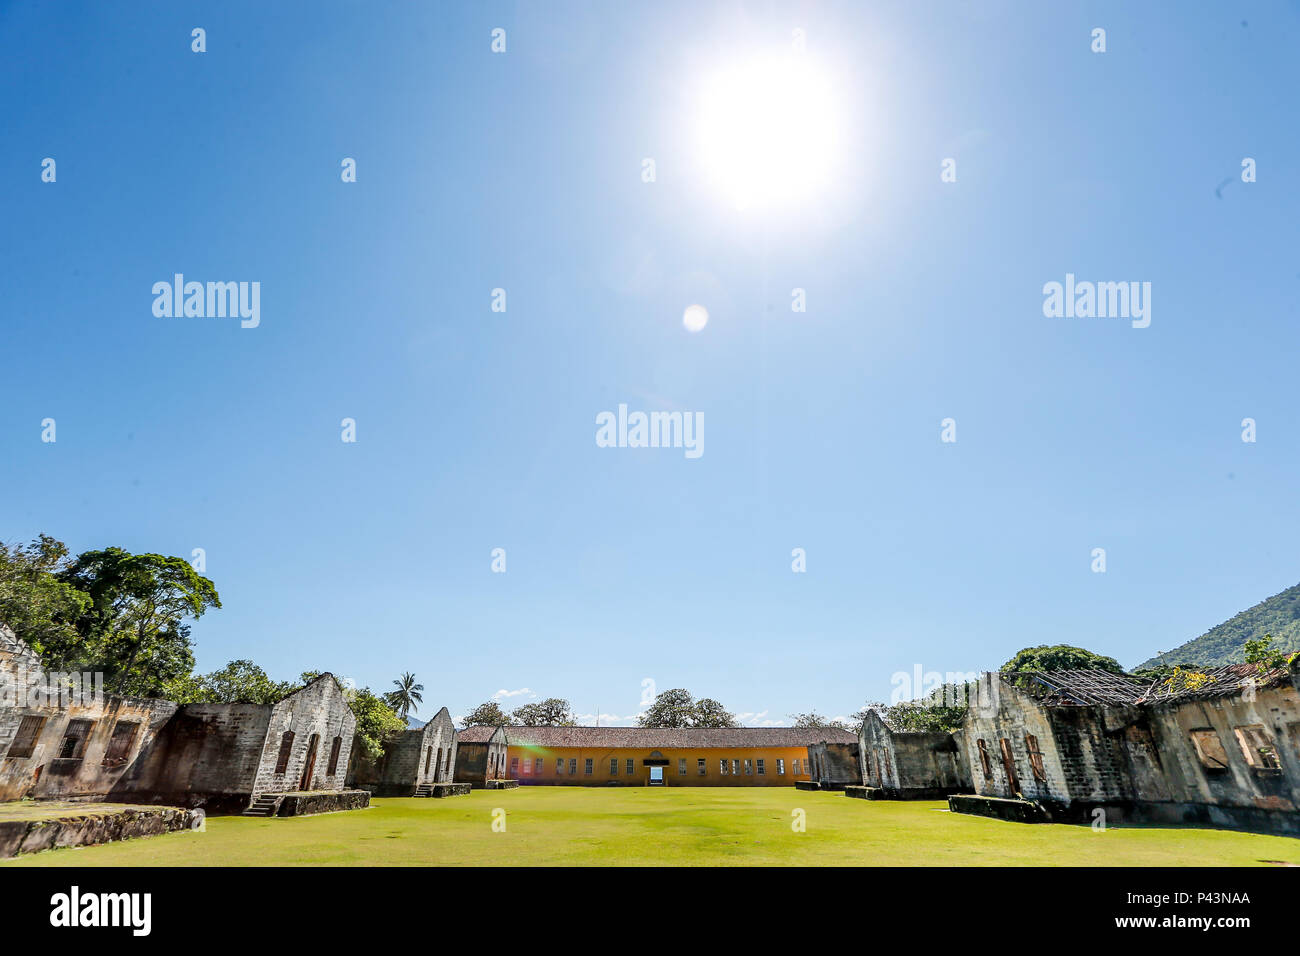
768,131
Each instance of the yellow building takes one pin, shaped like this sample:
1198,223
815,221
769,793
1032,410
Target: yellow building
648,756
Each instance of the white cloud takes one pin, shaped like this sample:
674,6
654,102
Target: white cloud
503,693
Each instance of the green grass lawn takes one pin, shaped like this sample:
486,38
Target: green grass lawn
578,826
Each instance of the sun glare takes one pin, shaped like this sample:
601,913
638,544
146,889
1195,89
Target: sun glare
768,131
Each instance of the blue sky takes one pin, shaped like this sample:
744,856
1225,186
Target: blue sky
522,170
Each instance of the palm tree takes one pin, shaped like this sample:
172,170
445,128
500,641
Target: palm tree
407,696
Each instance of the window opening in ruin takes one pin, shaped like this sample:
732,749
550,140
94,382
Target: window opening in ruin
986,764
1035,757
74,739
119,746
29,731
1209,748
1257,747
309,768
335,747
1009,765
286,750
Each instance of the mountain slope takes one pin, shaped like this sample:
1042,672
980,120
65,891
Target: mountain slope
1278,615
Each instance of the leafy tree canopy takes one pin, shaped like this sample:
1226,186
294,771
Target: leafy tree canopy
486,714
678,708
377,723
1060,657
134,628
551,712
239,682
41,608
918,716
815,721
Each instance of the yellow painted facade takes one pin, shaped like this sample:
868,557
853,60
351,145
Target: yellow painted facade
682,767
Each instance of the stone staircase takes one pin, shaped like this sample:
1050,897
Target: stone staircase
263,805
424,790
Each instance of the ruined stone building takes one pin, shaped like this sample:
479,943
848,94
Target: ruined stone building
413,763
911,765
480,756
643,756
1220,750
222,757
834,765
61,740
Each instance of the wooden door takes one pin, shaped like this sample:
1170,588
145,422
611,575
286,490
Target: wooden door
309,767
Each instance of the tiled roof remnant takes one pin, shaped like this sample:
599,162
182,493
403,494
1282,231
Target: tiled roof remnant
652,738
1083,687
1217,682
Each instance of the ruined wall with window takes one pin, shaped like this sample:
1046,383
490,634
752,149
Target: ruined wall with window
1004,736
912,764
1228,755
412,762
834,765
308,741
76,745
481,754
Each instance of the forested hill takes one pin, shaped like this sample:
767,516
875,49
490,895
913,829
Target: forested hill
1222,644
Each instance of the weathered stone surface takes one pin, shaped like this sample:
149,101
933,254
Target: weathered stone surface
807,785
1019,811
503,784
215,756
922,765
834,765
412,762
450,790
1139,762
328,801
44,826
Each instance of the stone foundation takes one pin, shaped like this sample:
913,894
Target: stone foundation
502,784
899,793
807,785
30,827
306,803
1000,808
450,790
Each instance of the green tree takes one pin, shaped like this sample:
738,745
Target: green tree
407,697
1261,653
672,708
815,721
707,712
678,708
239,682
377,723
551,712
486,714
134,629
1060,657
918,715
39,607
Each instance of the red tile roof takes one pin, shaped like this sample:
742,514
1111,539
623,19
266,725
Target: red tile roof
656,738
